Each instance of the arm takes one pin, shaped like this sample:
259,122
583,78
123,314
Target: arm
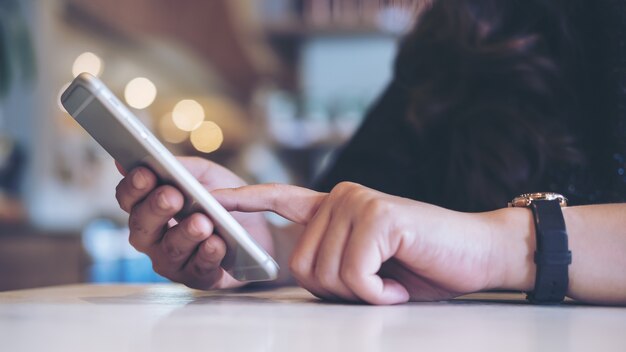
362,245
597,239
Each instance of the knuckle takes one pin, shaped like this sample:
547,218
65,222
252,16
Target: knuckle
122,201
137,232
377,207
350,194
133,241
124,197
118,193
136,243
344,187
349,274
136,225
298,267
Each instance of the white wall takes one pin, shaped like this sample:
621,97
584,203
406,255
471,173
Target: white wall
347,67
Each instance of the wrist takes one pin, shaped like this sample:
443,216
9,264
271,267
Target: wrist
512,232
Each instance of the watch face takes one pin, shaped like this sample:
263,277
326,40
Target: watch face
525,200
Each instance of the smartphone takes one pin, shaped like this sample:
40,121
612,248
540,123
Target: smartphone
131,144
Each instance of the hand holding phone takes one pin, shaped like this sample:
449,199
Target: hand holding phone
114,127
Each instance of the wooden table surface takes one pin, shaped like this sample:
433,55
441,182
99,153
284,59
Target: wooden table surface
170,317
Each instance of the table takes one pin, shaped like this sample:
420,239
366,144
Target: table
171,317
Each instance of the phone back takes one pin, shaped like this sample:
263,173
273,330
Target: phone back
125,138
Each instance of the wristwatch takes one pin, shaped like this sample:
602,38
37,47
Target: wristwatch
552,256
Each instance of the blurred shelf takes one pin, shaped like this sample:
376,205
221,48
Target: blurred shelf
287,38
32,258
301,31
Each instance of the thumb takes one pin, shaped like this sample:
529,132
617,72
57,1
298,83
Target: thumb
291,202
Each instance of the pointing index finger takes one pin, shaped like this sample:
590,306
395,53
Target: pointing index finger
291,202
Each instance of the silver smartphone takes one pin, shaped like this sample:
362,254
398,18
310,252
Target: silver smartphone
129,142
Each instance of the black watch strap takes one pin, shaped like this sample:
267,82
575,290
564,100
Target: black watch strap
552,256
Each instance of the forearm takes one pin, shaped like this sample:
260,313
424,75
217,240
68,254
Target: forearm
597,239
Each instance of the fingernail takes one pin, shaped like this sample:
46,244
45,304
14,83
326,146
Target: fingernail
163,202
139,180
196,227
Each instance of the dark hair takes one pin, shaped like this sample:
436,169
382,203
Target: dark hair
498,87
493,98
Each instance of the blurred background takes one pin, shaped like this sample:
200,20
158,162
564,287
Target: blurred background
268,88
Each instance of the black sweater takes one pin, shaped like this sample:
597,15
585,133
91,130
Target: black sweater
479,162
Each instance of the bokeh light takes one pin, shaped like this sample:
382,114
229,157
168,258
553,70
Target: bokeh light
140,93
170,132
188,115
87,62
208,137
219,108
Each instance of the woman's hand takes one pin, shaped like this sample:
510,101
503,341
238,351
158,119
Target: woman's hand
362,245
186,251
